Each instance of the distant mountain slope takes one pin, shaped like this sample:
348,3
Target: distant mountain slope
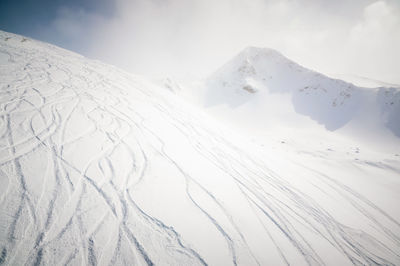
261,72
363,81
100,167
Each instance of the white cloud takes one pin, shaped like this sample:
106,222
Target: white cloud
181,37
375,41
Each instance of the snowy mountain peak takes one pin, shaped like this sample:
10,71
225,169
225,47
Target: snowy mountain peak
260,69
253,52
255,74
255,62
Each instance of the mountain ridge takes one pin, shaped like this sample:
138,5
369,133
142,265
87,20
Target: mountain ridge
330,102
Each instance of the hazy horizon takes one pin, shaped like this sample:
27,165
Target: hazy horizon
193,38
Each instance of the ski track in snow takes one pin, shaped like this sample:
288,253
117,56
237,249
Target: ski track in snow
83,143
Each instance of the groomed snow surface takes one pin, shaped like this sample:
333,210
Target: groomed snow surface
99,167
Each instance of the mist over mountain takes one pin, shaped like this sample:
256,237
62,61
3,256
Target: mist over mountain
262,89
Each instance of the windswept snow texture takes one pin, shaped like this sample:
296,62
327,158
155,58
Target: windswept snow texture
260,72
99,167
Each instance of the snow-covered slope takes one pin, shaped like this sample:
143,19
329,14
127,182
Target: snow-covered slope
363,81
100,167
259,74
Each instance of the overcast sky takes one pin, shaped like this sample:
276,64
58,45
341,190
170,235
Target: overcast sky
181,38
